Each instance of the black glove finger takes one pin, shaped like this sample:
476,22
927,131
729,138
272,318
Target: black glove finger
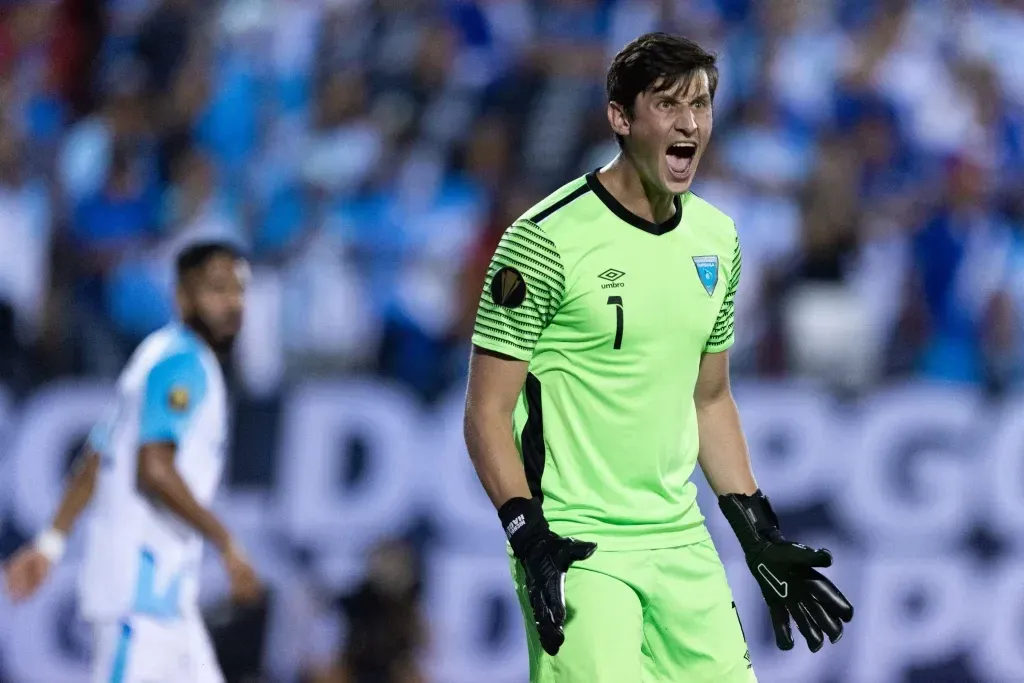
808,629
830,625
780,624
576,551
798,555
553,595
826,593
551,637
549,631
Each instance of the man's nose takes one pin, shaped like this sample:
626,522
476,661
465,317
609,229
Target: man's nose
686,122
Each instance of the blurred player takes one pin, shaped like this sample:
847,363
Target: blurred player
600,378
151,470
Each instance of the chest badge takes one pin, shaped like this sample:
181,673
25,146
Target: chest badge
707,271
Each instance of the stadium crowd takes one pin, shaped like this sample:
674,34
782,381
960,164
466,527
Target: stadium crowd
368,154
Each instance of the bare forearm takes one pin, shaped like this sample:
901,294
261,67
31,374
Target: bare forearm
723,449
493,452
166,486
78,491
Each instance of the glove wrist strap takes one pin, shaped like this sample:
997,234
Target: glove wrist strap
751,518
523,522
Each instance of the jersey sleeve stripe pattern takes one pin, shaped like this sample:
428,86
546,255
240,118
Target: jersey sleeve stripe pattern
526,248
539,264
564,201
525,324
723,332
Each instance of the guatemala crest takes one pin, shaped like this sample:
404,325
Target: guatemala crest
707,271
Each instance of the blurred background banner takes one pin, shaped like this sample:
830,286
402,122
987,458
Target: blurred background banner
369,153
353,496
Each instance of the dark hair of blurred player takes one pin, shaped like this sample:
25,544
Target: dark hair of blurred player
660,91
211,285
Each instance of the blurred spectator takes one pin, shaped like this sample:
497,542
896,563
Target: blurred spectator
178,113
570,53
764,152
1003,124
163,40
24,260
139,293
345,145
829,331
370,152
386,626
990,31
88,150
344,40
904,55
961,256
122,213
495,35
434,220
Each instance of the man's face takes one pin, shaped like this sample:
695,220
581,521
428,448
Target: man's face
668,132
214,300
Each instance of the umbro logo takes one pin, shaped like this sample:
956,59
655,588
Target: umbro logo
611,275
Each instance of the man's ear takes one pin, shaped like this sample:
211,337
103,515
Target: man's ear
618,118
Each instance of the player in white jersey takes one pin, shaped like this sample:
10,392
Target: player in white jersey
151,470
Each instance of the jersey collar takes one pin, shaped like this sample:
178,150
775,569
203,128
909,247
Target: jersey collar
628,216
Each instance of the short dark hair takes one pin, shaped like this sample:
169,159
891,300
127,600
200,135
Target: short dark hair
656,61
196,255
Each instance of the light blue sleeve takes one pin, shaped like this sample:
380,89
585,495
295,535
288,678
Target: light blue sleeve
99,436
174,389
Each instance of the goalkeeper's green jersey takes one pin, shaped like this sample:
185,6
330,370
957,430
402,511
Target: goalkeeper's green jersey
613,313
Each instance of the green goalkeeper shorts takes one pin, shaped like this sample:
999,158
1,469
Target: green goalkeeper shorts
652,616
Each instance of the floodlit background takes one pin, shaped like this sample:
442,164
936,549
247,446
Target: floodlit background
368,154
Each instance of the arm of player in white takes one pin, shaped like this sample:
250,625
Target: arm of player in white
28,569
495,381
78,491
723,456
159,479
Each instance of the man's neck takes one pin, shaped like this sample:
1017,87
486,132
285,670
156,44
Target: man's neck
624,182
200,333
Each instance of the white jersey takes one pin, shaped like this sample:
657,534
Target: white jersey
140,558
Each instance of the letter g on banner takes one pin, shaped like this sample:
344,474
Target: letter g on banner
51,423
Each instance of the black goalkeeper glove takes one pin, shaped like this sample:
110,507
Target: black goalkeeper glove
546,558
785,572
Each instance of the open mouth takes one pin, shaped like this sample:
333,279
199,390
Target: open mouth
680,158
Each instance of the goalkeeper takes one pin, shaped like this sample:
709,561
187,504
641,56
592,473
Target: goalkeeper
599,378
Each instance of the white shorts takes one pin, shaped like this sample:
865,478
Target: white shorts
141,649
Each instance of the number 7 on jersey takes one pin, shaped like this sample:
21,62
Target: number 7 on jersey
617,302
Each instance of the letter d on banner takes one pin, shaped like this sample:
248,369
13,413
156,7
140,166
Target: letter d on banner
320,420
